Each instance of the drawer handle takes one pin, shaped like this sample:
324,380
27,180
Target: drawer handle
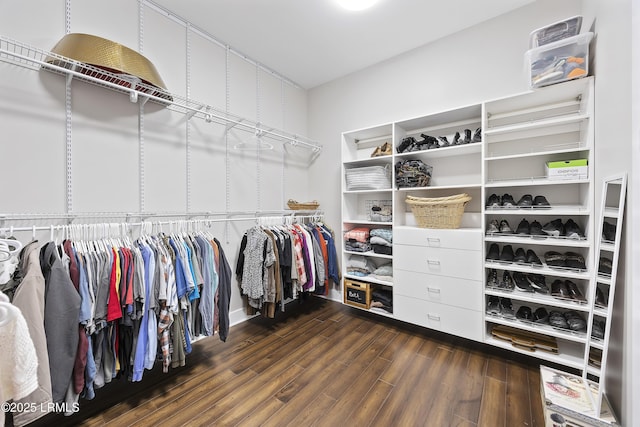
433,317
434,290
433,240
433,262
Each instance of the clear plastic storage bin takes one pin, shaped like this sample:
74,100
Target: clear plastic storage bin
559,61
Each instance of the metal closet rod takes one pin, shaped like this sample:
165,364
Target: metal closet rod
127,215
24,54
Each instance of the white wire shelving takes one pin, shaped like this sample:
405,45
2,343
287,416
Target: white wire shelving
24,55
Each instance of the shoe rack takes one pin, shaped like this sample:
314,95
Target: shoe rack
609,232
521,134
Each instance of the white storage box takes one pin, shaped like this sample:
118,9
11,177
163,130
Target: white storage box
559,61
567,169
557,31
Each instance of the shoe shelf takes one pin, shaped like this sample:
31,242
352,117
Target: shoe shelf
359,145
555,210
537,298
544,270
539,328
569,353
537,240
437,153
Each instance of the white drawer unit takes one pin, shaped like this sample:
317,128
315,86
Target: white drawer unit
444,318
470,239
463,264
461,293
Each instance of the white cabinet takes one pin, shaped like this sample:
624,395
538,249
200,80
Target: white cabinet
437,274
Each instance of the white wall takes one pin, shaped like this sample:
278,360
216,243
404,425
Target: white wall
105,155
479,64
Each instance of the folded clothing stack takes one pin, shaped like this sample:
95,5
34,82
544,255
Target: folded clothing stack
357,240
382,298
384,272
381,240
360,266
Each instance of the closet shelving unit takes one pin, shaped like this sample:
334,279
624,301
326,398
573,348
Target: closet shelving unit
521,134
22,54
437,281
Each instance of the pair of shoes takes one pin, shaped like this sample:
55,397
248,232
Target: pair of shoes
539,316
506,201
528,201
575,321
492,279
524,313
570,260
529,257
557,320
605,265
570,229
567,290
608,232
383,150
597,329
501,227
521,282
533,229
500,306
506,283
406,144
530,282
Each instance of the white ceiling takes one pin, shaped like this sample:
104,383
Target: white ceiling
312,42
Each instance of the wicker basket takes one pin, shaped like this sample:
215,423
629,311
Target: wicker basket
438,212
304,206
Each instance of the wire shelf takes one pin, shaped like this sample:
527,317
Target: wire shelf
22,54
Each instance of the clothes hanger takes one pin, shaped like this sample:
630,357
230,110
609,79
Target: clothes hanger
11,243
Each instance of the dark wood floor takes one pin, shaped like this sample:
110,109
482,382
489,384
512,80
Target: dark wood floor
325,364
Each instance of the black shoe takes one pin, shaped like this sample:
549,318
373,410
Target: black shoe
507,281
559,289
405,144
605,265
507,254
557,320
507,201
524,313
494,201
540,202
493,305
520,256
443,141
525,201
456,139
477,135
467,136
494,252
555,259
608,231
532,258
575,321
506,307
554,228
493,227
538,283
574,291
523,227
574,260
521,282
572,230
535,229
504,227
541,316
492,279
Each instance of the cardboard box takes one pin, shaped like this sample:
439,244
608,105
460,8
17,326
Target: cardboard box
357,294
569,401
556,62
567,169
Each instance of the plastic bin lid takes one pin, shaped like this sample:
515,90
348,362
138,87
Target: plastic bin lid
583,38
557,31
